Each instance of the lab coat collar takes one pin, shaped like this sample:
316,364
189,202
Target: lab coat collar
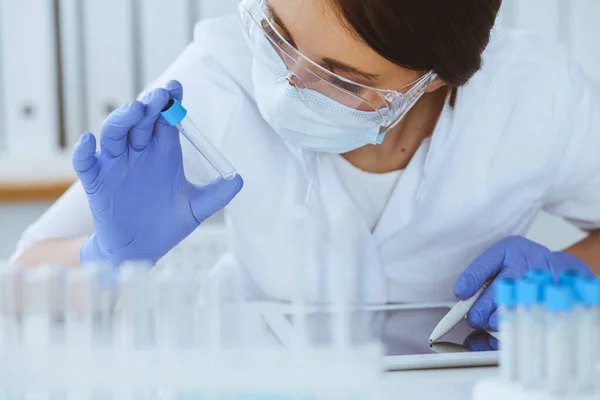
408,193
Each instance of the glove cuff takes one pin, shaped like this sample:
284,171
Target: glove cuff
90,252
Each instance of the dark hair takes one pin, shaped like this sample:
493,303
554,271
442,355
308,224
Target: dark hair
446,36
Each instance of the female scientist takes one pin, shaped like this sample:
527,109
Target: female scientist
443,137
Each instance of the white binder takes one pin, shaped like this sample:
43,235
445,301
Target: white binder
109,58
216,8
29,72
585,35
165,29
72,73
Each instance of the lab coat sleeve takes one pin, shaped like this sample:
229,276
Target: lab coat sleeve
575,193
68,217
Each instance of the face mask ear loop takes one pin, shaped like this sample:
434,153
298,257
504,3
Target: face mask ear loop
381,136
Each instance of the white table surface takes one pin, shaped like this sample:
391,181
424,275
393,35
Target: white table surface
446,384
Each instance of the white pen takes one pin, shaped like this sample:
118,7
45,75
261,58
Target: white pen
456,314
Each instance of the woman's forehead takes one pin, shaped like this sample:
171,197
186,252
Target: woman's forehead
318,31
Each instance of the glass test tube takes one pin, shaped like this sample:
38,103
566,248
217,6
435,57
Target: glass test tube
506,298
569,279
103,301
138,290
176,115
559,309
303,266
530,322
344,265
588,334
185,289
43,306
9,321
79,299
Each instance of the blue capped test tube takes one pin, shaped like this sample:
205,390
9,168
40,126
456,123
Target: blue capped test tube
559,312
588,291
531,324
506,299
176,115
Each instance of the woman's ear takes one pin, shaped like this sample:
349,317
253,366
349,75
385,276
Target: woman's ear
435,85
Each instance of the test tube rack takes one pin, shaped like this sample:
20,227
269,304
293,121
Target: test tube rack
499,389
161,334
549,339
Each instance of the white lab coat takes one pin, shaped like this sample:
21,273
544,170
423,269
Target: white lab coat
523,136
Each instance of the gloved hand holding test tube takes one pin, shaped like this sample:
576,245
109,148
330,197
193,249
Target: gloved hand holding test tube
141,199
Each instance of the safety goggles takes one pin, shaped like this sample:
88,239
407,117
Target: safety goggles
285,63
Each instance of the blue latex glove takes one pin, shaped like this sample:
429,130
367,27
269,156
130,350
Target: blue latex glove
510,258
480,340
141,202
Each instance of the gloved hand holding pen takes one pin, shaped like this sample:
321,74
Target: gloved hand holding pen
510,258
141,201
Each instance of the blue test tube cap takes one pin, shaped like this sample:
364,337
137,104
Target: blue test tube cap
174,112
570,278
543,276
559,298
530,292
588,290
506,292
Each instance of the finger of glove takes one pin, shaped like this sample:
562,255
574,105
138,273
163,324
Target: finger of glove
494,321
175,89
167,135
483,308
536,256
477,341
209,199
481,270
141,134
115,130
84,159
563,262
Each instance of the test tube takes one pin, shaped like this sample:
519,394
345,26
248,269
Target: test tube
176,115
559,308
103,299
139,304
343,266
588,334
43,306
506,299
305,227
10,332
530,322
569,279
184,302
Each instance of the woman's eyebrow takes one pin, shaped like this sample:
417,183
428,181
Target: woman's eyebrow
338,65
330,62
278,21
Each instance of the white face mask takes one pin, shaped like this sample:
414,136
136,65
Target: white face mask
339,130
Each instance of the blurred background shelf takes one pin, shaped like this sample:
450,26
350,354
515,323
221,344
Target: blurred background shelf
35,178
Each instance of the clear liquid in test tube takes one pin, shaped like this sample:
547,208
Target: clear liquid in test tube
176,115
